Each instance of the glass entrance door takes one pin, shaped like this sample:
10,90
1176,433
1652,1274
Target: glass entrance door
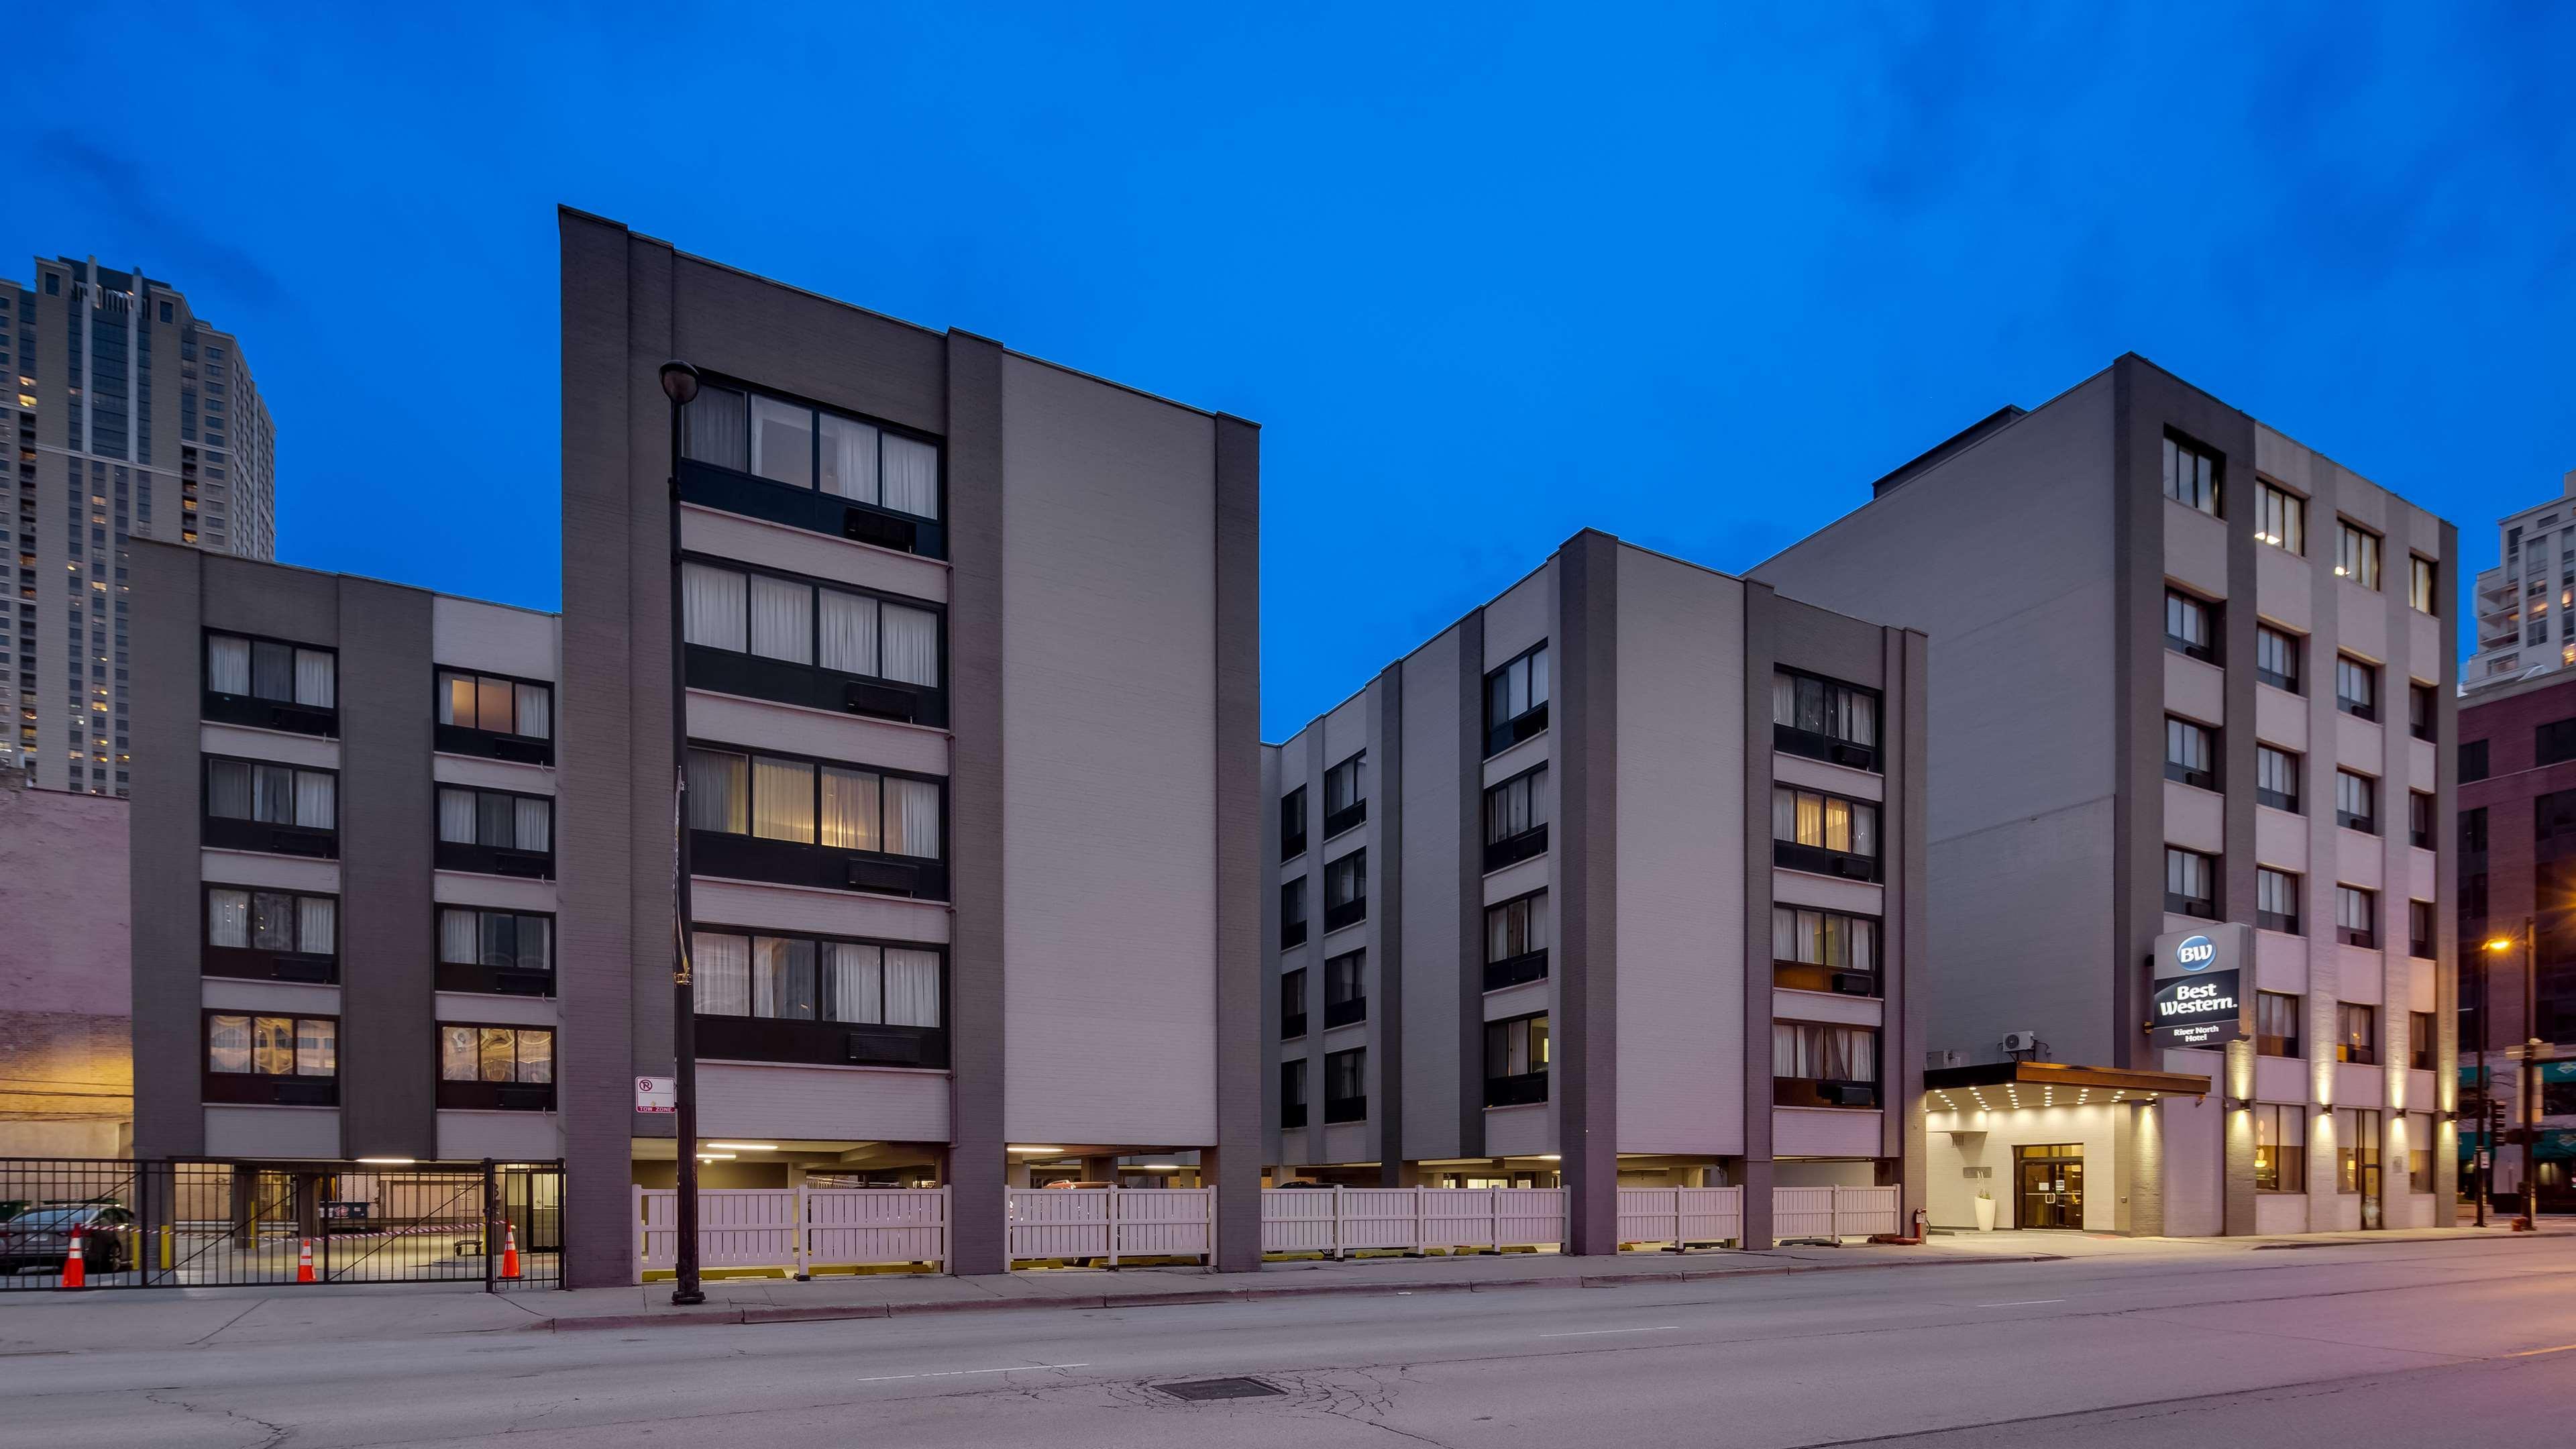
2051,1186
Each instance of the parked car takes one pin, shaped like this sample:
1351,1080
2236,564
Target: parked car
40,1237
1301,1182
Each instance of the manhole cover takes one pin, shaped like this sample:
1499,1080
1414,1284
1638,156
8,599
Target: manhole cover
1201,1389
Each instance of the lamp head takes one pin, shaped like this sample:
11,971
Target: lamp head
679,382
2501,943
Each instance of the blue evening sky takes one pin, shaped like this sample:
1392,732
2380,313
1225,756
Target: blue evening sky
1486,276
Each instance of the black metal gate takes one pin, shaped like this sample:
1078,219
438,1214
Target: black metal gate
153,1223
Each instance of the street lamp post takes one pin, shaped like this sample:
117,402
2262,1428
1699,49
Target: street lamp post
2529,1079
2484,1177
680,385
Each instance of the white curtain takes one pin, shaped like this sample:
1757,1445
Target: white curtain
719,792
849,810
1864,830
456,816
317,1047
911,645
782,799
536,824
716,431
316,679
849,632
536,1055
228,1044
227,664
536,711
317,924
1538,678
723,974
912,818
851,982
317,800
911,987
911,477
228,918
457,937
712,607
849,459
458,1052
782,442
782,620
272,794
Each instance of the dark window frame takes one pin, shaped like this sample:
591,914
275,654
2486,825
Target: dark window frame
2198,907
2211,618
1792,854
2472,761
1292,923
1349,816
2365,1053
489,978
233,832
2365,821
812,684
739,490
748,855
480,858
1859,977
1351,1007
1519,967
1850,1092
2188,485
260,711
2420,828
2269,1015
1346,1108
2293,649
1503,733
2291,922
1516,1089
1524,844
2553,742
2350,935
255,1087
2362,709
511,744
459,1095
2204,778
2424,1042
2294,775
259,963
1796,739
1352,909
2424,710
1292,824
815,1040
2421,930
1292,1093
1292,1003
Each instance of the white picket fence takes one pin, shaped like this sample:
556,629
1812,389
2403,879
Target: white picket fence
1339,1220
1832,1212
795,1228
1111,1223
1681,1215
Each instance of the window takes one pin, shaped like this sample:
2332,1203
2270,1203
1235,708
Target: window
2356,802
2356,916
2356,554
2473,832
2423,710
1813,950
2357,1149
1292,1003
2419,819
2191,626
2281,517
1814,1064
1516,819
2276,900
1292,824
2193,474
496,1068
1516,941
2421,595
2191,753
1292,912
271,684
495,832
804,447
2473,760
1824,833
2423,1040
1516,1061
255,805
1292,1093
813,999
1516,701
1346,1085
2356,1032
290,1060
1346,890
2191,883
2553,743
1824,719
2356,687
1345,795
2276,778
498,951
801,822
791,639
1345,989
2276,1024
271,934
487,714
2280,1148
2419,1152
2276,658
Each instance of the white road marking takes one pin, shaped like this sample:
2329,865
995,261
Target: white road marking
1596,1332
953,1373
2019,1303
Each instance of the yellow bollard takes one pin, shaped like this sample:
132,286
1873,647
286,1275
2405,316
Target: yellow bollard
165,1247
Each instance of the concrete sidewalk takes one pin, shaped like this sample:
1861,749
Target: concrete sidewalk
108,1320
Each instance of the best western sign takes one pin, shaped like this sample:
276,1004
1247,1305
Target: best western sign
2197,1002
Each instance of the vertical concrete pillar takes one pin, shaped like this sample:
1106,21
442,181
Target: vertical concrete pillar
1760,656
1585,716
976,968
1234,1168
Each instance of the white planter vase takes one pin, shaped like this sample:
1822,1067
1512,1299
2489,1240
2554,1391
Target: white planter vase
1985,1214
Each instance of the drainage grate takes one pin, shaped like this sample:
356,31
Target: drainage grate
1202,1389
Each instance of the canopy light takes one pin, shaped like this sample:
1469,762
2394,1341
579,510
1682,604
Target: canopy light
747,1146
389,1161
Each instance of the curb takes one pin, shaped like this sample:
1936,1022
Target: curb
827,1313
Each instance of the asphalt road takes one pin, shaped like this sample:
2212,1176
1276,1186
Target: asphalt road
2423,1343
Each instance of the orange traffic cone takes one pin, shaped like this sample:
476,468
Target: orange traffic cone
76,1261
510,1251
304,1262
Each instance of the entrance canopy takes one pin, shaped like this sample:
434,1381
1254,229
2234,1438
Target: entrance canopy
2007,1086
